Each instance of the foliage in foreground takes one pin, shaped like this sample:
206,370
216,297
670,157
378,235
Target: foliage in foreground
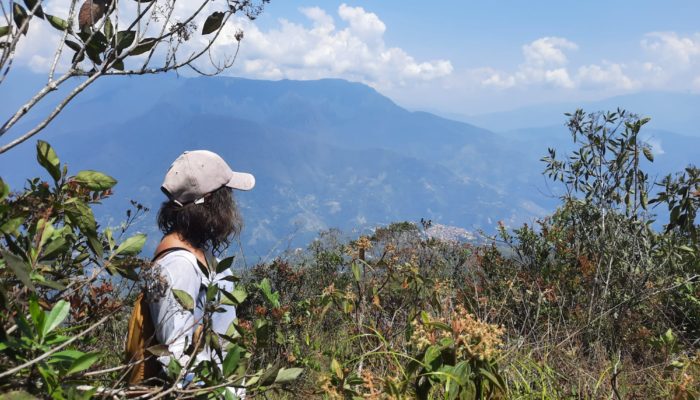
67,287
593,301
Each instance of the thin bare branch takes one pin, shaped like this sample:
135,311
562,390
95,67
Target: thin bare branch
59,49
57,348
41,125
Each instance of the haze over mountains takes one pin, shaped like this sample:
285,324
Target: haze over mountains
326,153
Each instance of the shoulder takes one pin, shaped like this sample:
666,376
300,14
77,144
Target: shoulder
178,263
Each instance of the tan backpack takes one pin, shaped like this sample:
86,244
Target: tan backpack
141,335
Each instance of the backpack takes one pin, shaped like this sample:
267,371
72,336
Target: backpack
141,336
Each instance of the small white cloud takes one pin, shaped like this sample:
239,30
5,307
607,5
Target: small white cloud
362,23
319,17
544,61
559,78
500,81
609,75
671,49
547,51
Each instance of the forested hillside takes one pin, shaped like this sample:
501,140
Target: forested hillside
327,154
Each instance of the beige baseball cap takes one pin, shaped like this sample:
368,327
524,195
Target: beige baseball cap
198,172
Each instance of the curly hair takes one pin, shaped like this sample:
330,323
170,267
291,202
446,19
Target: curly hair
210,225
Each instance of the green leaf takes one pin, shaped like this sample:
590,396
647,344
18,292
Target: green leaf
51,284
213,22
17,395
668,337
124,39
18,267
432,354
270,296
19,14
231,361
30,6
4,189
66,355
48,159
143,46
73,45
236,297
53,247
11,225
94,180
184,299
159,350
686,249
93,55
491,377
58,23
95,40
174,368
647,153
231,278
288,374
212,291
83,363
108,28
118,65
355,271
95,245
37,315
131,246
440,325
224,264
337,369
80,215
58,313
4,30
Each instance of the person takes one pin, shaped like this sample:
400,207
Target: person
199,220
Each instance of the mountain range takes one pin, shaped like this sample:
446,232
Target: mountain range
326,154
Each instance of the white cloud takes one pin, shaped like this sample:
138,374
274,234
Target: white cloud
672,49
356,51
363,24
559,77
544,61
498,80
547,51
609,75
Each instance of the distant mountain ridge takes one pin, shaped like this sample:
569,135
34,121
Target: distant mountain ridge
326,153
674,112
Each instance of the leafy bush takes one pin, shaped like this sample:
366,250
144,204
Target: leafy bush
67,285
592,301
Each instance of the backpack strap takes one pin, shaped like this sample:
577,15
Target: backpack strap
169,250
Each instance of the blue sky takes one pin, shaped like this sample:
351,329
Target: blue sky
466,57
507,54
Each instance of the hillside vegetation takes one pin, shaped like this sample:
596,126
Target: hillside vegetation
590,302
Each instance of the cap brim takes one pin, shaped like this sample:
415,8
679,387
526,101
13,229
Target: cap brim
241,181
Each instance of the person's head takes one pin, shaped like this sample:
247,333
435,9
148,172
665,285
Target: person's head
200,206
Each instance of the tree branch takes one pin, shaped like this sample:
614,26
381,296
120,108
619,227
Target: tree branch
55,349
